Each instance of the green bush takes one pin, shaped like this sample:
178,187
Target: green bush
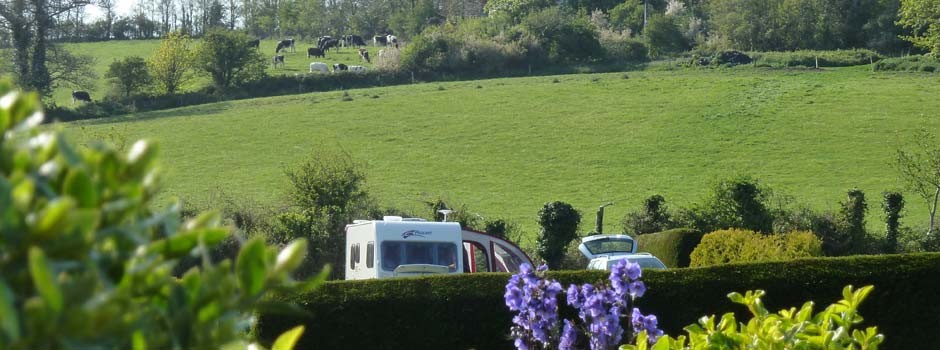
86,259
664,37
654,217
558,223
625,50
731,246
807,58
468,311
674,247
924,63
565,36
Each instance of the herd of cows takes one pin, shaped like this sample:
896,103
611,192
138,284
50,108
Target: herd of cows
326,43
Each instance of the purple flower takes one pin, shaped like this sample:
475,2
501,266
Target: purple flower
568,336
636,289
573,297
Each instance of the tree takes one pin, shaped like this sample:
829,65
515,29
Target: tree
515,9
172,62
66,68
130,74
80,272
852,221
893,204
922,17
664,36
920,168
29,22
228,59
559,223
107,6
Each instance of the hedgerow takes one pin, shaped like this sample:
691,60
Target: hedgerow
808,58
468,311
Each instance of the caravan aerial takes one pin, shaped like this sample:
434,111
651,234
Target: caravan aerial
397,247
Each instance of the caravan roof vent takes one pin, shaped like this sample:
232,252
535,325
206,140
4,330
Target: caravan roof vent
413,219
360,221
391,218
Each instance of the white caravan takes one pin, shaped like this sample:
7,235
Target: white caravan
398,247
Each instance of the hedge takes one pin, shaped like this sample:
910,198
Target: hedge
467,311
807,58
672,247
915,63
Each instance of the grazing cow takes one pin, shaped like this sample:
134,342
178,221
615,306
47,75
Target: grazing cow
278,59
80,96
357,69
256,43
315,52
339,67
328,44
391,39
353,40
285,44
364,55
319,67
323,39
380,39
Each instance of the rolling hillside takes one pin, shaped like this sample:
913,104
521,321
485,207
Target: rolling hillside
506,146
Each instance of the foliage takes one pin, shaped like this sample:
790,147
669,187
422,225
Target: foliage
740,202
673,247
919,165
922,17
809,58
88,262
468,310
172,63
852,220
516,9
537,325
892,204
70,69
664,37
564,36
130,74
731,246
558,222
228,60
914,63
788,328
618,46
654,217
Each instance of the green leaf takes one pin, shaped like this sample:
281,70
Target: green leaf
45,283
287,340
251,268
9,321
67,152
54,218
138,341
291,256
79,186
6,196
184,243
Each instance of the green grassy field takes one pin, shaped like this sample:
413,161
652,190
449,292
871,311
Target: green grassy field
109,51
506,146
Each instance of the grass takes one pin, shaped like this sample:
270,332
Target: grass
110,51
506,146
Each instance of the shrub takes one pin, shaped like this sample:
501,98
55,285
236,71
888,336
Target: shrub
88,260
619,47
654,217
224,56
730,246
130,74
664,37
673,247
739,202
468,311
852,224
807,58
566,37
558,223
172,63
915,63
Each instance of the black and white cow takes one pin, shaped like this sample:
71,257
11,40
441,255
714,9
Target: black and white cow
315,52
255,43
339,67
323,39
285,45
353,40
78,95
278,59
380,39
329,44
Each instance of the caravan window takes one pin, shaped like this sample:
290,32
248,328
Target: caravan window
370,255
506,261
395,253
354,255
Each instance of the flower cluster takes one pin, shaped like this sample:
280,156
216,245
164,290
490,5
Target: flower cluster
600,309
535,301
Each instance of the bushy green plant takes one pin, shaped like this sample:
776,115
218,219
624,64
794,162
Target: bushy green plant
619,48
734,245
566,37
664,37
559,223
809,58
830,329
654,217
673,247
226,58
740,202
915,63
130,74
86,261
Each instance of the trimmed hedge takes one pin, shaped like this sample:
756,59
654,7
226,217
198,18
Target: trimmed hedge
468,311
672,247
